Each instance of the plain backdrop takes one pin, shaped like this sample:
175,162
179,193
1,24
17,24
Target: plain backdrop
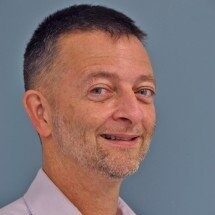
178,174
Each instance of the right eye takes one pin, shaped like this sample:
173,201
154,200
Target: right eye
99,93
98,90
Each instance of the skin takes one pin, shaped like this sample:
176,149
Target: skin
106,86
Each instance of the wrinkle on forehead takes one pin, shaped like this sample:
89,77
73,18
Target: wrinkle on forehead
86,52
99,44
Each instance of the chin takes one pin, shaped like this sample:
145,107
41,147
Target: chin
119,171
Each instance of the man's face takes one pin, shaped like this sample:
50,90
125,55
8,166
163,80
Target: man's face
104,114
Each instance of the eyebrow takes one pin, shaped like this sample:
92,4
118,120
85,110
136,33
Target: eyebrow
101,74
146,78
113,76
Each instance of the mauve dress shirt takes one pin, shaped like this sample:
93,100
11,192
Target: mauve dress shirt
44,198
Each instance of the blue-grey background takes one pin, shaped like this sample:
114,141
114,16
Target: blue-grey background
178,175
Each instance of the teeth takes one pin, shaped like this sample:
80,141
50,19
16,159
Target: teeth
107,136
112,137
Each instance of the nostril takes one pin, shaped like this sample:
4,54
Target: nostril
124,118
128,108
131,117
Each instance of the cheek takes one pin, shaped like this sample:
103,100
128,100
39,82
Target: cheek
91,117
150,116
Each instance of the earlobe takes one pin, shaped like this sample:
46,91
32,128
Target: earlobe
37,109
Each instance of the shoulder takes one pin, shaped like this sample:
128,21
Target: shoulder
15,208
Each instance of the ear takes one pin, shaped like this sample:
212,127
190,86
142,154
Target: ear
38,111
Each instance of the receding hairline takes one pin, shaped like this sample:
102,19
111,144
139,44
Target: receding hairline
56,65
41,50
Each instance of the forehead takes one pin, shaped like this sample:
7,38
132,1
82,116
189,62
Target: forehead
83,52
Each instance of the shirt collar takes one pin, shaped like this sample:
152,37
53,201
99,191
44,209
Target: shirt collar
44,197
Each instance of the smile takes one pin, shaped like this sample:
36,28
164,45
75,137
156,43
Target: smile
119,137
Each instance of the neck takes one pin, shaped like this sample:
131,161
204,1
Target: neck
92,193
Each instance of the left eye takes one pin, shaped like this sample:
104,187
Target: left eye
98,90
99,93
146,92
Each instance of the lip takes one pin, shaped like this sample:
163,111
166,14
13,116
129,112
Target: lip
129,140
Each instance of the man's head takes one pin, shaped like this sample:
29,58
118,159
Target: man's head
42,52
90,88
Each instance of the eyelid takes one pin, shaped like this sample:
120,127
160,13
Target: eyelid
104,90
145,97
103,95
104,86
147,88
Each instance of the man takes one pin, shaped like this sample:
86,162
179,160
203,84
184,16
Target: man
89,94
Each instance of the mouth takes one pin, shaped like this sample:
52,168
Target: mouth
123,140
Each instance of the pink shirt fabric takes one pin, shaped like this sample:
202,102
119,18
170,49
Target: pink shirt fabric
44,198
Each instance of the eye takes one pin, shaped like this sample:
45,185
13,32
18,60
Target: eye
99,93
98,90
146,94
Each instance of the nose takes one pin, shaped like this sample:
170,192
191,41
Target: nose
128,108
